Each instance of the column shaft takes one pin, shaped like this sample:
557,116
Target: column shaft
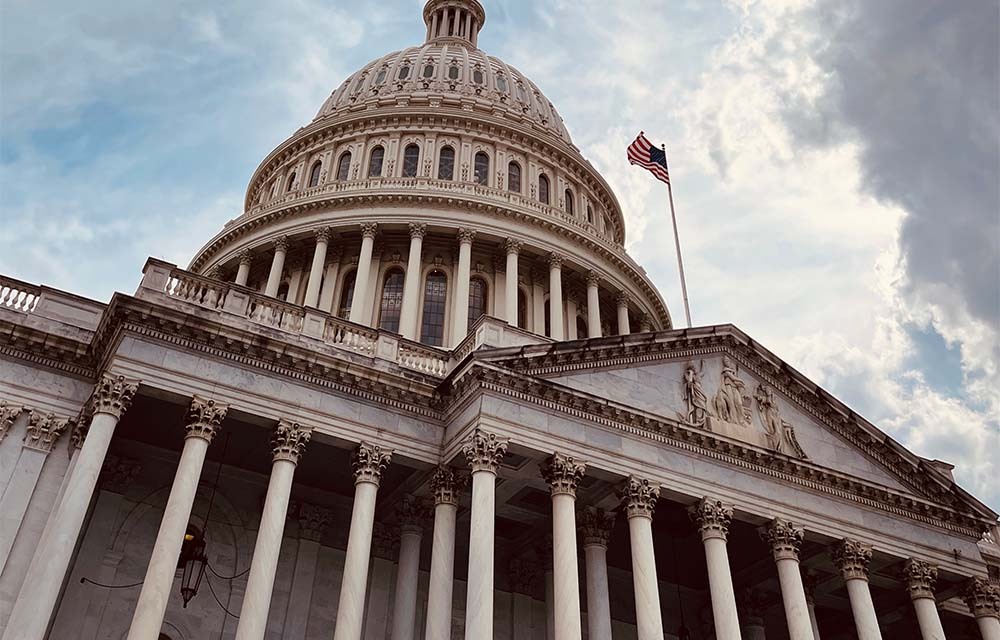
989,627
813,622
316,271
564,565
593,308
649,621
598,598
359,303
556,323
404,615
513,247
351,609
411,284
17,496
720,582
243,272
793,597
928,619
441,585
623,322
460,310
277,267
863,610
479,598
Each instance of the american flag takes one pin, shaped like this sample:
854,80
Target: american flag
643,153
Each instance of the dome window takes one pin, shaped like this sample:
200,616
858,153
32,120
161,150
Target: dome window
435,297
543,189
344,166
290,183
446,164
482,169
347,295
380,78
404,73
391,306
609,228
501,84
375,162
314,173
521,94
477,76
477,299
590,214
453,72
429,70
514,177
411,161
570,209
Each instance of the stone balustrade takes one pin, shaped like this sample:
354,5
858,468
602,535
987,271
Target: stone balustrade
18,296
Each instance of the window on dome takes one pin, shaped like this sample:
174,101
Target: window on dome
411,161
435,297
404,72
543,189
590,214
522,309
514,177
282,293
392,300
347,295
446,164
477,299
521,95
375,162
570,208
608,227
428,70
477,76
344,166
314,173
581,328
501,84
380,78
290,183
482,168
548,319
453,72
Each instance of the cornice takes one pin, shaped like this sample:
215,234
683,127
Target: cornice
44,349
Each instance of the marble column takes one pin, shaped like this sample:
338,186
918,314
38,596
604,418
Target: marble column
852,558
983,599
484,452
785,539
445,485
460,309
42,432
277,267
713,518
595,528
288,442
809,583
410,514
359,303
513,248
40,591
313,522
243,273
204,420
622,301
318,265
593,305
563,473
921,578
752,605
368,462
639,498
556,322
411,282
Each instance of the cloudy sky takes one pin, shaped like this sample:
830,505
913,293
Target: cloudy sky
835,162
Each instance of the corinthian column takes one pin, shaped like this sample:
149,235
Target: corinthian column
785,540
983,598
713,518
460,312
37,599
204,420
556,323
484,452
411,282
404,614
318,264
369,462
639,499
595,528
623,322
445,486
277,266
359,303
288,442
243,273
513,248
563,473
593,305
852,558
920,580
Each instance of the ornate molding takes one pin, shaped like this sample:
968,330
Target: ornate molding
466,236
113,395
368,463
511,245
555,260
446,485
784,537
323,234
205,418
281,244
43,431
313,521
369,229
8,414
246,258
484,451
289,440
639,497
81,425
593,279
418,229
595,526
983,597
622,299
852,557
921,577
563,473
713,518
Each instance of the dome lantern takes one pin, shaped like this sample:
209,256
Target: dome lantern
454,21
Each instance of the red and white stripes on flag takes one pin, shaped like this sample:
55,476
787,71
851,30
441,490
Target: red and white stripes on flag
643,153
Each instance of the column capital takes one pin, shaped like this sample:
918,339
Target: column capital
645,323
920,578
113,395
78,433
369,229
466,236
555,260
418,229
639,497
313,521
512,246
205,418
281,243
289,440
595,526
852,558
214,272
784,537
445,485
411,514
484,451
246,257
982,597
622,299
712,517
118,473
563,473
368,462
323,234
43,431
593,278
8,413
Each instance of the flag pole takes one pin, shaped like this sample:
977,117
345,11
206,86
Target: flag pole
677,244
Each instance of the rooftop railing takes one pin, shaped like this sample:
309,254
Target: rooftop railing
18,296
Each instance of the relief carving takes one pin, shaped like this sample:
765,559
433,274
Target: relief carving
780,434
732,404
694,396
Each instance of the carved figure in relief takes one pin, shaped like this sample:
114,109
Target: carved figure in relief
731,402
694,396
780,434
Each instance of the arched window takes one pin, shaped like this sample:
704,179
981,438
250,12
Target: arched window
453,71
522,309
435,297
375,162
590,214
548,319
411,160
429,70
404,72
380,78
314,173
581,328
282,293
347,295
477,299
570,209
501,83
543,189
482,173
609,228
446,164
344,166
392,300
514,177
290,183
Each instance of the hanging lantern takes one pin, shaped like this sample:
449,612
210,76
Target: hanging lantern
193,561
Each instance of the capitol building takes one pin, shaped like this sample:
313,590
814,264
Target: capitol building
418,390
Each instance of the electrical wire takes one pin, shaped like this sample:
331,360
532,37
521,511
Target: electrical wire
110,586
222,577
219,602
